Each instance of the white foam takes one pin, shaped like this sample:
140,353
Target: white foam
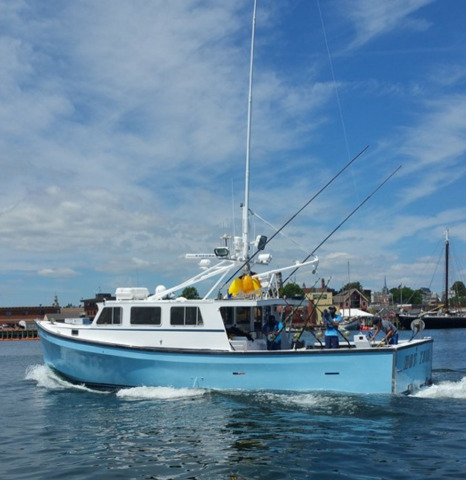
161,393
445,390
46,378
319,400
300,399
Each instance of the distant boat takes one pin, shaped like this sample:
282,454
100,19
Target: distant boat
161,339
441,317
351,324
434,320
355,319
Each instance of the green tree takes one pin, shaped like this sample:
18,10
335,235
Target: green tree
190,293
459,289
291,290
351,285
459,297
406,295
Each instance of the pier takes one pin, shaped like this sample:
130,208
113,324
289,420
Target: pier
18,334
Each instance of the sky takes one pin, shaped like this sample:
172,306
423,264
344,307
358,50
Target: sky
123,140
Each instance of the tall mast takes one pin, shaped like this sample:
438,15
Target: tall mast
447,251
248,147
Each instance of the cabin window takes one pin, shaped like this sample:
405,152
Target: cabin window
110,316
228,316
146,316
185,316
258,319
241,317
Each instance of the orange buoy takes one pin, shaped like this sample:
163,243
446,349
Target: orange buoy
256,284
248,285
235,287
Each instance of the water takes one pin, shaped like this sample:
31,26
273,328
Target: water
50,429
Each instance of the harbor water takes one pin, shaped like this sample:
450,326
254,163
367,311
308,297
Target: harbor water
51,429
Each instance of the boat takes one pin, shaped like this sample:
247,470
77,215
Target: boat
353,323
355,319
433,320
163,339
442,316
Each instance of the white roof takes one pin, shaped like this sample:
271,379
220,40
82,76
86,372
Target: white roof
354,312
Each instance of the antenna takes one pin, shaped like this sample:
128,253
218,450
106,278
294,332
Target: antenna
248,148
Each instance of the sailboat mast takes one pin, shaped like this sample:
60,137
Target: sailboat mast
248,146
447,253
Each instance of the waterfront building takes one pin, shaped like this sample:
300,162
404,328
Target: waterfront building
352,298
320,299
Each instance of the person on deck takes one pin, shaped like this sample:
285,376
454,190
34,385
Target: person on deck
273,330
391,332
331,322
235,331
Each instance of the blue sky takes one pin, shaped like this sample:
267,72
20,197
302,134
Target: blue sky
123,133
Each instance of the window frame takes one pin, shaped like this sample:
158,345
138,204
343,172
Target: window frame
114,310
157,316
182,316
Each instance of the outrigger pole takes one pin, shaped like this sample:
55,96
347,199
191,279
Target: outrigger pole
344,221
309,315
296,214
336,228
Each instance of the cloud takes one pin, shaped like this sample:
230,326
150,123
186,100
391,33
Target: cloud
373,19
123,131
116,127
435,147
57,272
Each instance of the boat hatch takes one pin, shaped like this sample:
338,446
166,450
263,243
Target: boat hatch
134,293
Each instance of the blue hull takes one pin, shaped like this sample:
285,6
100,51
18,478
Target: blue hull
373,370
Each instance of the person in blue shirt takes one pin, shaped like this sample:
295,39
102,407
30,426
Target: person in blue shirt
273,331
331,322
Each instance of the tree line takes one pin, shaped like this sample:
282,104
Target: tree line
401,294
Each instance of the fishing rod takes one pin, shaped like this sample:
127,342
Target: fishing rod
283,319
314,335
308,316
331,233
336,328
246,262
314,308
295,308
344,221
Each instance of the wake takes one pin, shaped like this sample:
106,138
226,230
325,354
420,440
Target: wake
48,379
447,389
160,393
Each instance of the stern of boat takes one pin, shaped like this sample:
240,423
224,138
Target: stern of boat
413,366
